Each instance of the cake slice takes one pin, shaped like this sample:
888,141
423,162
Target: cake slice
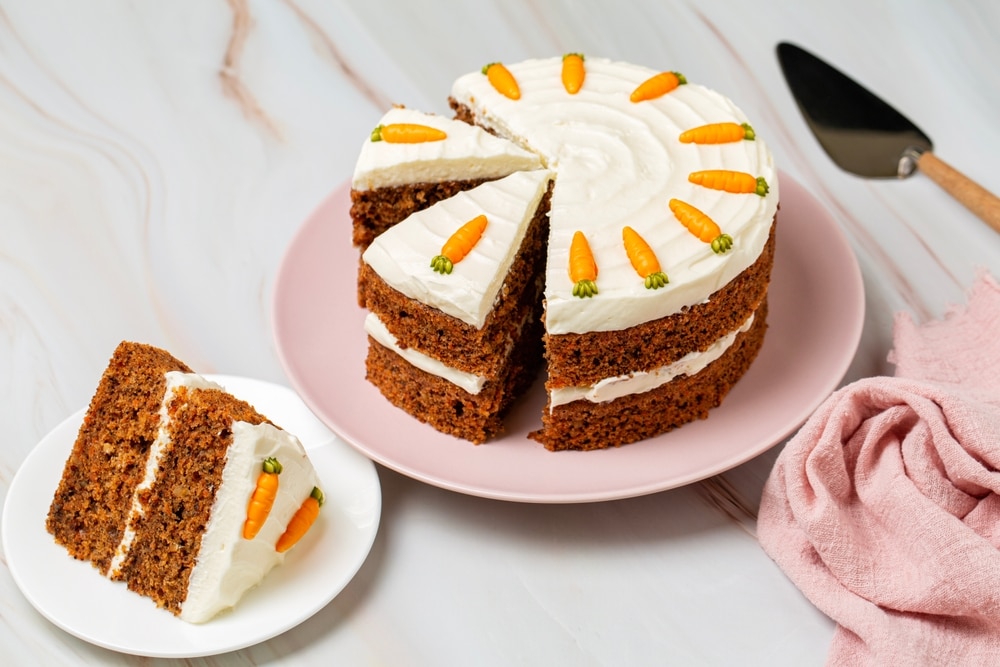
455,341
159,483
403,168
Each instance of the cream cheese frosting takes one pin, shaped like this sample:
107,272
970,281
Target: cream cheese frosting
229,565
402,254
468,152
618,163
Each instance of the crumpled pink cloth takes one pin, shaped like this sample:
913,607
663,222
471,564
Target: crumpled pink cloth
884,509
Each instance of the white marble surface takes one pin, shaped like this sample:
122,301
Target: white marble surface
156,159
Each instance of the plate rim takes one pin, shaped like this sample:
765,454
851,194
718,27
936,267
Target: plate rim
850,280
61,438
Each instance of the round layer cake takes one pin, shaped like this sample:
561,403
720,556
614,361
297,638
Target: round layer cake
661,235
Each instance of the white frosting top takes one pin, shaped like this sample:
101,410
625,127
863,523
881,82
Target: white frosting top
468,152
402,254
619,163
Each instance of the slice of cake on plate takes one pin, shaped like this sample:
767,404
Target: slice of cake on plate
413,159
454,294
179,489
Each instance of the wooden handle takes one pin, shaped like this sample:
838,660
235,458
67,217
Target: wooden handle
970,194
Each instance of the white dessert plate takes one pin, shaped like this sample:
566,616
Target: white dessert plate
76,598
815,321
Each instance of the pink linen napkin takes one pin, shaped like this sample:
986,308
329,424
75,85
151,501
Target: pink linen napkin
884,509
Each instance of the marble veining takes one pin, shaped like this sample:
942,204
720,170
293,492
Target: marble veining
156,160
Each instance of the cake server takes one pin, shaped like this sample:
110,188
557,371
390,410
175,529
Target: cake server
865,136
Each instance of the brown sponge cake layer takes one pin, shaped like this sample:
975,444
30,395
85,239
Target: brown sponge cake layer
91,505
374,211
583,425
576,360
447,407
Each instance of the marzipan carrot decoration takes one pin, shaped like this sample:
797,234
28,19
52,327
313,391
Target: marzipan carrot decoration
738,182
643,259
502,80
407,133
718,133
657,86
301,521
701,226
582,267
573,72
262,498
459,244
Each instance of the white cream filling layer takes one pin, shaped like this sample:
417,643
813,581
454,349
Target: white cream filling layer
610,389
468,152
375,328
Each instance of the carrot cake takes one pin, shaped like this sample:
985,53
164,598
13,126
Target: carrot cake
413,159
166,487
454,294
662,233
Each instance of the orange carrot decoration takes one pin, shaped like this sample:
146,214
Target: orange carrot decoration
718,133
301,521
262,498
459,244
582,267
407,133
643,259
573,72
701,226
657,86
502,80
738,182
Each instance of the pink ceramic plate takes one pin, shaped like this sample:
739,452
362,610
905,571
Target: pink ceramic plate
816,316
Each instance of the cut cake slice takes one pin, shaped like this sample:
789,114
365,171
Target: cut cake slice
455,349
156,489
394,178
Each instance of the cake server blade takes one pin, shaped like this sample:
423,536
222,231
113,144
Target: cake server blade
865,136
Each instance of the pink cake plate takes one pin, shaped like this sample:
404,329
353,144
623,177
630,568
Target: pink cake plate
815,321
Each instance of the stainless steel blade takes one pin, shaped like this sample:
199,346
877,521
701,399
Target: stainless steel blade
860,132
865,136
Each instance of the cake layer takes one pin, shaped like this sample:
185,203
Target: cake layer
93,501
374,211
583,425
444,405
